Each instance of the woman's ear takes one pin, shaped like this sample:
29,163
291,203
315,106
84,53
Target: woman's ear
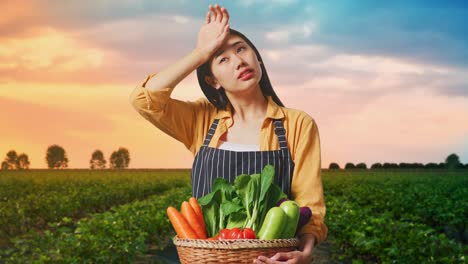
212,82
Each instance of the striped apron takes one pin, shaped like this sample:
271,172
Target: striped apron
211,163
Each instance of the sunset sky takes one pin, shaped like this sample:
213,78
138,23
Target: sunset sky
385,82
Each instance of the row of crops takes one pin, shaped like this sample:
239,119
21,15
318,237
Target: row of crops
116,236
81,216
111,216
30,200
398,217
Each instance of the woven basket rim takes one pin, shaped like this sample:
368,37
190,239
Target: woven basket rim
236,243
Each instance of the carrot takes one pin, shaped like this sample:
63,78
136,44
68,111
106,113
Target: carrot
193,219
181,226
214,238
196,207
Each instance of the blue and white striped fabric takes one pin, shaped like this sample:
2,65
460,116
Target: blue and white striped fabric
211,163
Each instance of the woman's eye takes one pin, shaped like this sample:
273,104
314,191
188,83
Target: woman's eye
224,59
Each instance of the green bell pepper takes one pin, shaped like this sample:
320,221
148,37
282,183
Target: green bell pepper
291,208
273,225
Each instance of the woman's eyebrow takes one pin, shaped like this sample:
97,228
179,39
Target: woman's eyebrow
232,45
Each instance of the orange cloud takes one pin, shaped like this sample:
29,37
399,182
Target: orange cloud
16,17
96,117
49,50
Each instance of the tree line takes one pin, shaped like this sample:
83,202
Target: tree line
56,158
451,162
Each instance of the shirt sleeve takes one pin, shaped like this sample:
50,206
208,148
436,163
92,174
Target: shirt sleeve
307,187
174,117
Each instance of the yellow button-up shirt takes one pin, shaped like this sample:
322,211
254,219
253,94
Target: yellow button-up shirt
189,122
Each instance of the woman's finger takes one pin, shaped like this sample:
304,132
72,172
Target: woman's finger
263,259
226,29
208,17
224,33
225,16
213,11
283,256
219,13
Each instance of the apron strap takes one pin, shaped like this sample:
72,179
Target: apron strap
281,133
210,133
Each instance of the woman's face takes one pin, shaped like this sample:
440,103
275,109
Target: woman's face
235,66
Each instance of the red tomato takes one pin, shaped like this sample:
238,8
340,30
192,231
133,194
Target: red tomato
236,233
224,234
249,233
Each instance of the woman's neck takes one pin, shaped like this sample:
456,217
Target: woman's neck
249,107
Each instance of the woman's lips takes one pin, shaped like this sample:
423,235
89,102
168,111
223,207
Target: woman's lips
246,75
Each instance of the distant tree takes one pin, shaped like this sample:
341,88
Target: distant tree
119,159
56,157
414,165
387,165
11,160
4,165
376,166
23,162
349,165
97,160
361,165
404,165
431,165
452,162
441,165
334,166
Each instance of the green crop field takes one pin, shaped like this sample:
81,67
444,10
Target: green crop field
110,216
398,216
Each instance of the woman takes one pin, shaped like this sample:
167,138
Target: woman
241,127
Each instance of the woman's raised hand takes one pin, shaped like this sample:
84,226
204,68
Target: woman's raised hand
214,32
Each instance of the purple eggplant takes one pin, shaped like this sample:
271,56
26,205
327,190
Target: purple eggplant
305,215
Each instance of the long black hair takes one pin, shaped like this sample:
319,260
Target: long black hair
218,96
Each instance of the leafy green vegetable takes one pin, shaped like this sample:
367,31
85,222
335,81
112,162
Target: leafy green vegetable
211,207
229,207
236,219
243,204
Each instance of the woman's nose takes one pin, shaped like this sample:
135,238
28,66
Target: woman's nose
239,61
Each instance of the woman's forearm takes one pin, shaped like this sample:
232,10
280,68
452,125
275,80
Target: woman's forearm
175,73
307,243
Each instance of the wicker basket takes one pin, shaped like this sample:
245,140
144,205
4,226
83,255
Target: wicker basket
230,251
